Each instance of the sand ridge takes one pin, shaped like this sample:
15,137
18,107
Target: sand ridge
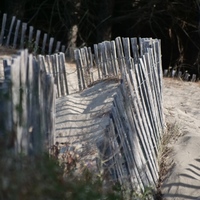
181,106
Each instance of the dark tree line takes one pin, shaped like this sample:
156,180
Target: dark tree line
85,22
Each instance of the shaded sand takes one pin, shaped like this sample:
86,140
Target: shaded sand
82,119
182,106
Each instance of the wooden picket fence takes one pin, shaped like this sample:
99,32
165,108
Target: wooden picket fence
19,35
185,76
136,120
55,65
27,99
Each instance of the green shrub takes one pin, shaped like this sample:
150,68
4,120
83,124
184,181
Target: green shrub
41,177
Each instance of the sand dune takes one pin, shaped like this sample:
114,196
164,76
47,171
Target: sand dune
182,106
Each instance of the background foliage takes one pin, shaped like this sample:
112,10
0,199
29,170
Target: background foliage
85,22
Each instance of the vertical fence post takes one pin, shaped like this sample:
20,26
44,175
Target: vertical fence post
63,48
61,75
50,45
57,47
44,43
16,105
80,72
3,28
22,42
23,102
30,37
16,33
120,55
36,46
50,114
49,65
76,57
30,101
7,130
10,31
114,58
91,64
96,54
62,60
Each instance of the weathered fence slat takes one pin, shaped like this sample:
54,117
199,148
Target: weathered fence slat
10,30
15,93
44,43
134,47
127,52
23,103
80,73
61,76
49,65
23,33
36,45
30,36
96,54
62,63
120,55
88,65
6,117
3,26
30,101
50,120
102,64
42,63
84,61
50,45
16,33
91,65
56,72
63,48
57,47
114,58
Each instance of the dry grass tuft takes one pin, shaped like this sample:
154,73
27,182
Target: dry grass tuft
7,51
170,136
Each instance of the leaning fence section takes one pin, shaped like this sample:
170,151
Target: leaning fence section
136,120
17,34
27,105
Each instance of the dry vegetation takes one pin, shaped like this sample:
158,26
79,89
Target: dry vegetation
172,133
41,177
6,51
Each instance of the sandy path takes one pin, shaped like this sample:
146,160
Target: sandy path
72,80
182,106
71,72
82,119
84,113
